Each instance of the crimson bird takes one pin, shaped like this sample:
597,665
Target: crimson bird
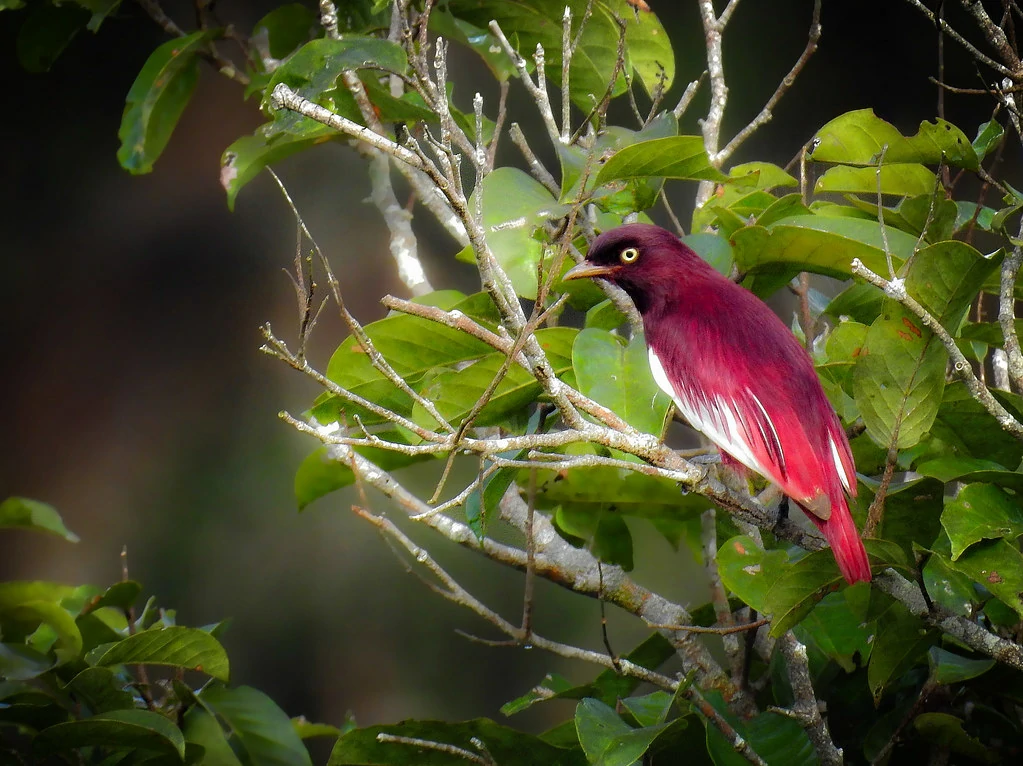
738,375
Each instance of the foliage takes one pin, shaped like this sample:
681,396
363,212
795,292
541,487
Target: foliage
84,670
566,420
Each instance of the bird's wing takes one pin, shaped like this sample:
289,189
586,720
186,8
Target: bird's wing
766,435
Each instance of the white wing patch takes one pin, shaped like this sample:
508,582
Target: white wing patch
839,466
721,421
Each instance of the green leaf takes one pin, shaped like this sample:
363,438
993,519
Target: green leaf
971,471
260,732
156,100
946,278
46,33
775,738
798,589
898,382
319,474
649,709
904,179
912,511
506,746
286,28
202,728
989,137
678,157
950,668
100,690
945,730
713,249
980,512
605,534
900,642
31,604
951,589
748,571
314,68
21,663
856,138
860,302
971,430
527,23
118,730
838,627
606,739
310,730
176,646
998,566
761,175
821,244
514,206
456,393
23,513
618,376
245,158
478,39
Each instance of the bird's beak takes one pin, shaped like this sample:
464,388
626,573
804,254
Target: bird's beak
587,269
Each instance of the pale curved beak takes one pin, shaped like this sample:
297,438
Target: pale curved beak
587,269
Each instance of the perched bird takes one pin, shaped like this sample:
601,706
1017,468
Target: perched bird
738,375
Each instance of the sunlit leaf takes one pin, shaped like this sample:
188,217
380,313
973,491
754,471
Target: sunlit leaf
748,571
998,566
23,513
678,157
179,647
286,27
980,512
904,179
857,138
989,137
606,739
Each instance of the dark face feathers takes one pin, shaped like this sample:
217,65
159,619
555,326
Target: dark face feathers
644,260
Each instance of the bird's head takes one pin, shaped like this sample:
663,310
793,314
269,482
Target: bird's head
646,261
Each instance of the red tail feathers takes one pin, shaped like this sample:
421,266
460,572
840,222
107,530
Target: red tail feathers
840,531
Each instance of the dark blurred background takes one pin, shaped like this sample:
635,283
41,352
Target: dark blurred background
135,400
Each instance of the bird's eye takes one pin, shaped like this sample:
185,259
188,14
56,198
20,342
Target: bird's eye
629,255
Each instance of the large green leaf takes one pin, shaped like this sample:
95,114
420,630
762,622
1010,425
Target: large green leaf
904,179
527,23
946,278
748,571
24,606
118,729
478,39
175,646
819,243
912,511
839,628
970,430
857,138
607,740
156,100
679,157
286,27
245,158
971,470
202,728
950,668
618,376
313,70
455,393
998,566
23,513
981,512
260,732
100,690
775,738
514,206
899,380
505,745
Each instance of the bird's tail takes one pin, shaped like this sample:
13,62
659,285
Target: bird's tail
840,531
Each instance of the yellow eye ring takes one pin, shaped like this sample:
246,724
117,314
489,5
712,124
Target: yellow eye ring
629,255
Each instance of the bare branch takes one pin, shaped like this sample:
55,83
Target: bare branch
538,94
768,111
948,30
806,709
995,34
688,95
536,168
1007,314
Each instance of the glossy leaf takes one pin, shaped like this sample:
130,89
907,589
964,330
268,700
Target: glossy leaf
156,100
506,746
457,392
314,68
259,730
980,512
820,244
478,39
618,376
319,474
860,302
23,513
118,729
678,157
964,424
971,471
245,158
21,663
514,205
748,571
839,628
857,138
761,175
946,278
606,739
202,728
951,589
989,137
179,647
912,511
998,566
527,23
898,382
904,179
